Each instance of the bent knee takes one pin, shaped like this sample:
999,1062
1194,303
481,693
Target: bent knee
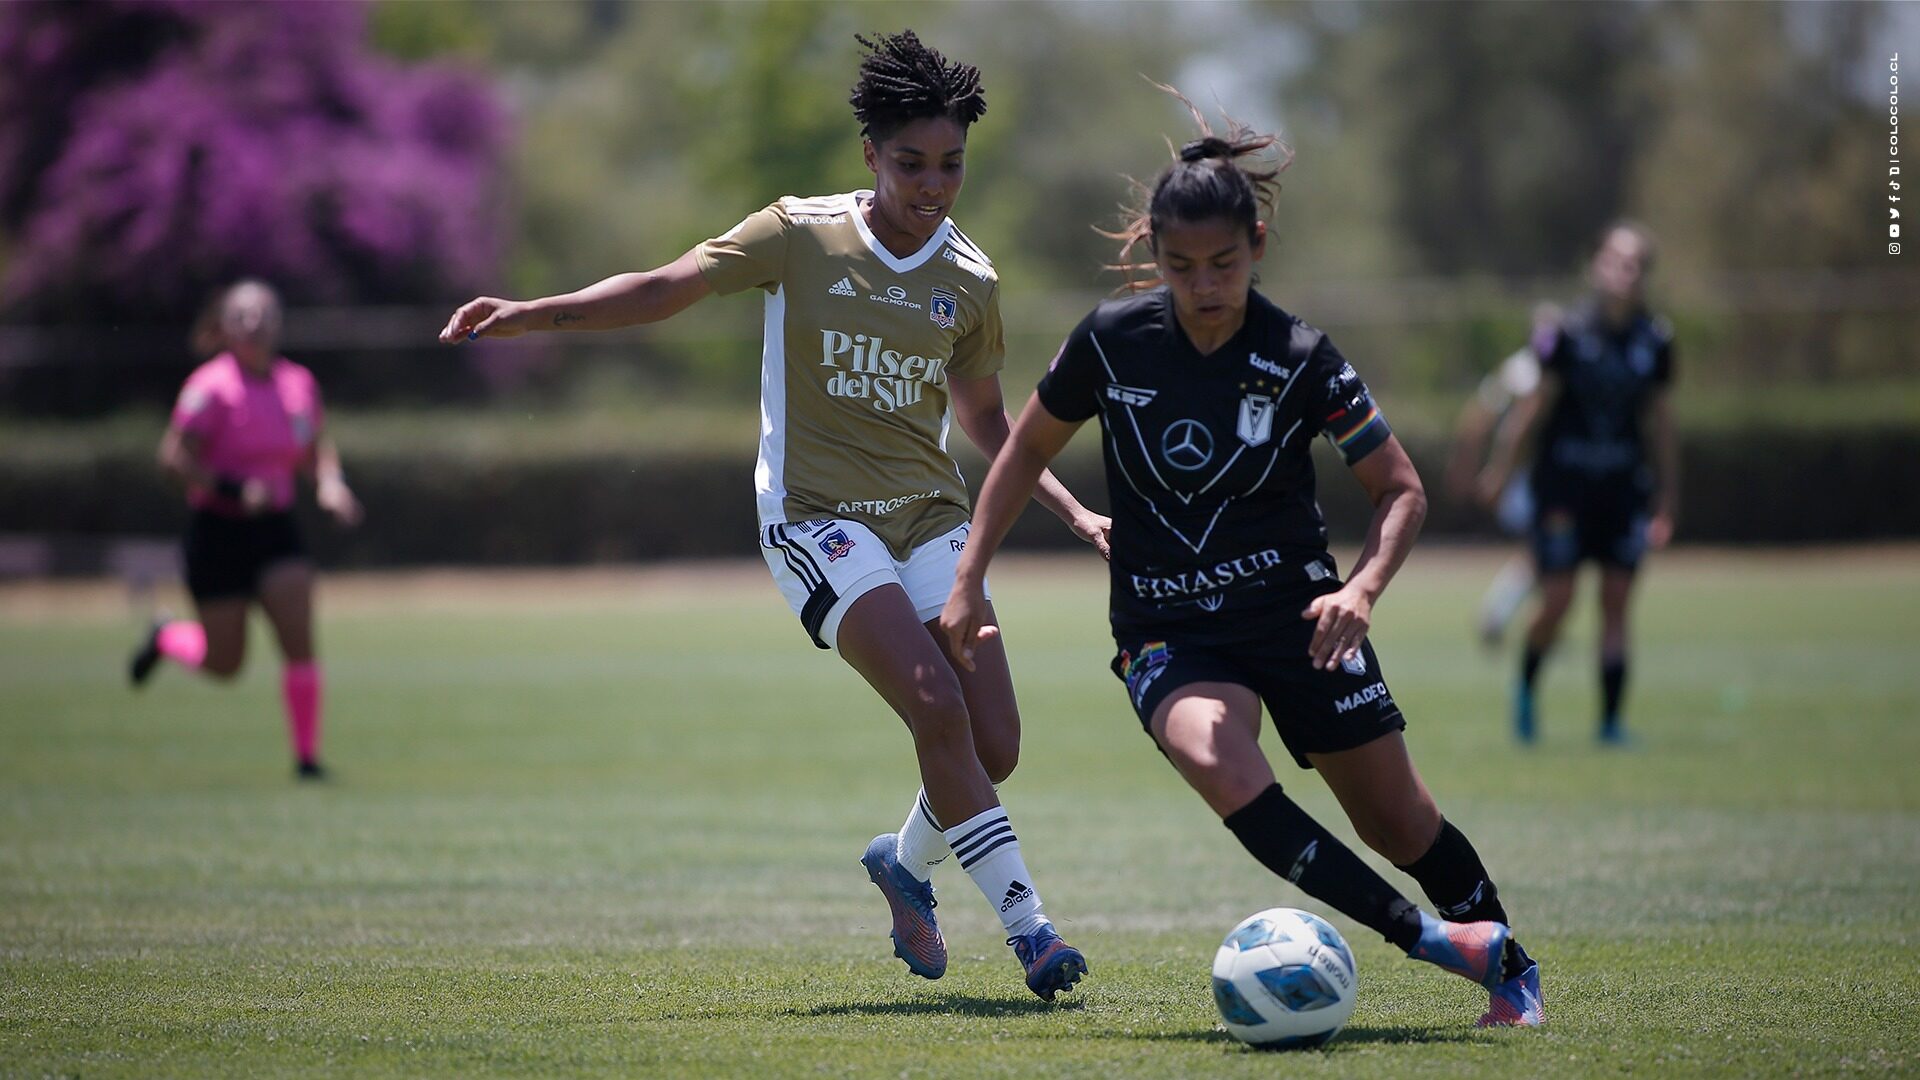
223,668
1402,840
998,758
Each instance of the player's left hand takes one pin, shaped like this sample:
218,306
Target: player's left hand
1096,530
1488,486
1343,619
963,622
337,499
1660,530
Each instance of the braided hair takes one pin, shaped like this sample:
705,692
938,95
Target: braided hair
1205,182
902,80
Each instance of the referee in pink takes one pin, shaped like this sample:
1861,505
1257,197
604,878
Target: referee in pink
246,422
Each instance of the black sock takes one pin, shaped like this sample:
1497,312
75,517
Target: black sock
1455,879
1461,890
1288,842
1613,684
1530,667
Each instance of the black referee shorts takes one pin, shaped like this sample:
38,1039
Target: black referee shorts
226,555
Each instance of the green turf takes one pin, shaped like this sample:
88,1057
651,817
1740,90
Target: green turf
618,837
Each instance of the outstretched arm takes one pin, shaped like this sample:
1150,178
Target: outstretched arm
1342,618
982,412
621,300
1516,430
1036,439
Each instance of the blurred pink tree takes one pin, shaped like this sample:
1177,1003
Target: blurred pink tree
151,149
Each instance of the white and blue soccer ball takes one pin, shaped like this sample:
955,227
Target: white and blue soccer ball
1284,979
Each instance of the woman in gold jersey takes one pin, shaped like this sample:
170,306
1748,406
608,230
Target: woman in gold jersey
882,326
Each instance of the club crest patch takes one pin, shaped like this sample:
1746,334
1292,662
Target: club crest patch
1140,671
943,308
1256,419
836,544
1356,665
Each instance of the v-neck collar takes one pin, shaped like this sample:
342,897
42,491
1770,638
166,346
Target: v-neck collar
893,262
1177,334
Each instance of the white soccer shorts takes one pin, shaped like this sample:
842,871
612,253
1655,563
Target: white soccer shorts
823,566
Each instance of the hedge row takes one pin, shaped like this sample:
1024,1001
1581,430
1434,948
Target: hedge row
1771,486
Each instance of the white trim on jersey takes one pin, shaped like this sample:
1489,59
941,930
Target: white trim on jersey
1146,455
897,265
964,245
769,471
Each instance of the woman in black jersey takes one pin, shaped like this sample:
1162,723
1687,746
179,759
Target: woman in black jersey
1605,471
1223,593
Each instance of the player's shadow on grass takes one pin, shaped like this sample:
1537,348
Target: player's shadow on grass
1400,1034
944,1005
1348,1036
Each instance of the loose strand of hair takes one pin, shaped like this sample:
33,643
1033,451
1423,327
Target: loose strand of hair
1135,222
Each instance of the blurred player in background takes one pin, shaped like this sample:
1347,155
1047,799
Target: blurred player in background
1605,462
1516,377
1224,596
247,421
882,326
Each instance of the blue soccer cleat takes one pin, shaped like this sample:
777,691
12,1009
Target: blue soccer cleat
1470,950
1516,1002
916,936
1522,713
1052,964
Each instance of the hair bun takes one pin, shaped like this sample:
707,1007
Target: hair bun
1209,147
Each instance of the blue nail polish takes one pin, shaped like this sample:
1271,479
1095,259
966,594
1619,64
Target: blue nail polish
473,335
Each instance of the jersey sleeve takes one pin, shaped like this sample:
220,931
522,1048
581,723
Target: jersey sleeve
982,351
1553,347
1518,376
1342,408
751,255
198,411
1070,389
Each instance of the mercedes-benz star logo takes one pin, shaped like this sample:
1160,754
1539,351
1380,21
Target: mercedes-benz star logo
1187,445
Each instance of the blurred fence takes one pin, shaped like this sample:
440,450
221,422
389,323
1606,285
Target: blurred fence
1413,335
576,485
1747,487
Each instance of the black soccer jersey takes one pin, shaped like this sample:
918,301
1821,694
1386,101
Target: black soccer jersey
1209,466
1607,376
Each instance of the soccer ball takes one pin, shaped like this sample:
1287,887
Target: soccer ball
1284,979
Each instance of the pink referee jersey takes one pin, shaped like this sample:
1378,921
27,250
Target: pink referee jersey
250,427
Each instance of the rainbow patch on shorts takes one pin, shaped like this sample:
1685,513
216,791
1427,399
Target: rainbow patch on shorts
1140,671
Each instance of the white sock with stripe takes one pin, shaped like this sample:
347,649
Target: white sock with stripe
986,848
920,846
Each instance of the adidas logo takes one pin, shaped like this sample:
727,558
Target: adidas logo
843,288
1017,893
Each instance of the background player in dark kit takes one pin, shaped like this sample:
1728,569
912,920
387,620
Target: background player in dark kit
1223,593
1600,491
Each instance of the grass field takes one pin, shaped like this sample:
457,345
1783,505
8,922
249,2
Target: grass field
607,824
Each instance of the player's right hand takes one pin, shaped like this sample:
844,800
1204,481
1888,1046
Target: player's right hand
487,316
256,497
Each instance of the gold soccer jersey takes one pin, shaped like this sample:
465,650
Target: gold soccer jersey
859,345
